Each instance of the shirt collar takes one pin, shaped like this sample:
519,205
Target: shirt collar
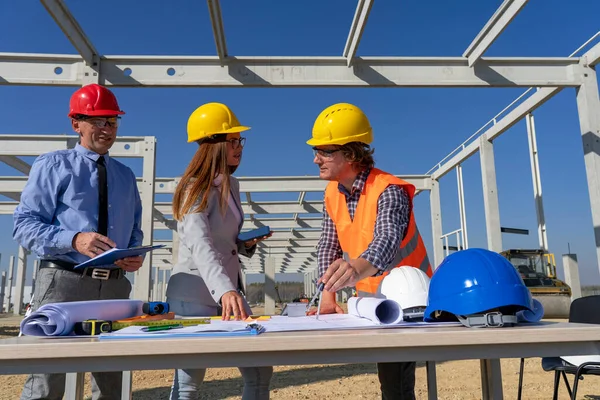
90,154
359,183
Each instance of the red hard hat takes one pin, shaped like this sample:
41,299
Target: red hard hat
94,100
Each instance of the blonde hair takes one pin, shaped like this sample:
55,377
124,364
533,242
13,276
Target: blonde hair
209,161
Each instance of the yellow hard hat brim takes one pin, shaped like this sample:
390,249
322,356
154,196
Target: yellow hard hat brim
235,129
365,138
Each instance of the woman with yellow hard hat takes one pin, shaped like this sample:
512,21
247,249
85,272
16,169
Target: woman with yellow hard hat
206,278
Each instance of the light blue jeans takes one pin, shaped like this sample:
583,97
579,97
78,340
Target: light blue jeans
186,382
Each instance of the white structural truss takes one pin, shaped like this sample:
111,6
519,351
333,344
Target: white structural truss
297,222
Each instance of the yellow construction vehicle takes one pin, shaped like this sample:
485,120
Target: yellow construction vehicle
538,270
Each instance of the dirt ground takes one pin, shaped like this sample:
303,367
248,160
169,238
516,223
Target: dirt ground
455,380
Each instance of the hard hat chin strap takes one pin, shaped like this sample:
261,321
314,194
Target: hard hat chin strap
488,320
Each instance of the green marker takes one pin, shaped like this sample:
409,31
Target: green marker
161,328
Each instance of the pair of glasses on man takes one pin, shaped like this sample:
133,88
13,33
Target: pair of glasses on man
101,122
325,153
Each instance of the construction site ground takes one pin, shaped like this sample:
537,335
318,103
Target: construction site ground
455,380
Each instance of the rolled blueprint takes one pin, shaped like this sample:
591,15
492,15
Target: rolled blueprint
380,311
531,316
58,319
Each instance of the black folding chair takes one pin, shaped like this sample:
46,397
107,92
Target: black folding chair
584,310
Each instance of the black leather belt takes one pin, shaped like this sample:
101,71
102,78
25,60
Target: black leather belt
96,273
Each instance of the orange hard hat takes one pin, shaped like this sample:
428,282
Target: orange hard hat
94,100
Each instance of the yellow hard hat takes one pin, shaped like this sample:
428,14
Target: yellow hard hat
211,119
339,124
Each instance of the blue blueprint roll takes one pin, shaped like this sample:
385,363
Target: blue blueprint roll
529,316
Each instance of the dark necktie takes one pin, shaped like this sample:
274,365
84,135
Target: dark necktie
102,198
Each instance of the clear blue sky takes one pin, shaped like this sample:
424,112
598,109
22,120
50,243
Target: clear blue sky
414,128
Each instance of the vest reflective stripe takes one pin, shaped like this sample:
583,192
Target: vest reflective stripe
356,235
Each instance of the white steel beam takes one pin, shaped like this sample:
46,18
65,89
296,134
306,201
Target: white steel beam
264,184
588,106
71,28
143,276
592,56
533,102
8,207
169,223
35,145
216,20
363,8
536,178
290,250
490,195
436,223
272,72
16,163
274,244
507,11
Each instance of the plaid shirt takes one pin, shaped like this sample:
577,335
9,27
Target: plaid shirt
393,213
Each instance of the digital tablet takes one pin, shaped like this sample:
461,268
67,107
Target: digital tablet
254,233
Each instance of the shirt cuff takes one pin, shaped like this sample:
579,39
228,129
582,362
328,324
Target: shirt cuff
220,290
374,262
64,240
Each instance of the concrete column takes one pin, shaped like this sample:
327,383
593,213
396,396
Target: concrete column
490,195
163,290
175,248
11,275
36,267
461,208
20,287
536,178
571,268
270,294
155,293
436,223
491,370
588,104
243,277
143,276
2,288
307,283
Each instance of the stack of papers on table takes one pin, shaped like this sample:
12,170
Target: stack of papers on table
338,322
214,329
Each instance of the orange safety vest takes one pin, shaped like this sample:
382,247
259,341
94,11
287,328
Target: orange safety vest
356,235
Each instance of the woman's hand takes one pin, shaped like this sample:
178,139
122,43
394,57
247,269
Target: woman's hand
233,304
250,243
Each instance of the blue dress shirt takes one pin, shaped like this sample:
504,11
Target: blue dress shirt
60,199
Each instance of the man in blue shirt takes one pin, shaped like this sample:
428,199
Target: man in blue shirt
78,203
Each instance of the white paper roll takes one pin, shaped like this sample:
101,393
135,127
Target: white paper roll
58,319
380,311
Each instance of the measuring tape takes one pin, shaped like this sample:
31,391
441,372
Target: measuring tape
96,327
185,322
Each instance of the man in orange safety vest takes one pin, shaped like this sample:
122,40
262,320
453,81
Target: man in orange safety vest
368,223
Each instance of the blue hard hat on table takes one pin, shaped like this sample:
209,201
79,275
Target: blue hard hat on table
477,282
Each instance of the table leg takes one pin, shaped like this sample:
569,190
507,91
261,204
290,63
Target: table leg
491,380
431,380
74,386
126,387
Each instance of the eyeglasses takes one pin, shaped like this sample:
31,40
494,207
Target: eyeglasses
324,153
102,122
238,142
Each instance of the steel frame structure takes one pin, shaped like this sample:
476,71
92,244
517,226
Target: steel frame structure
548,75
297,232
